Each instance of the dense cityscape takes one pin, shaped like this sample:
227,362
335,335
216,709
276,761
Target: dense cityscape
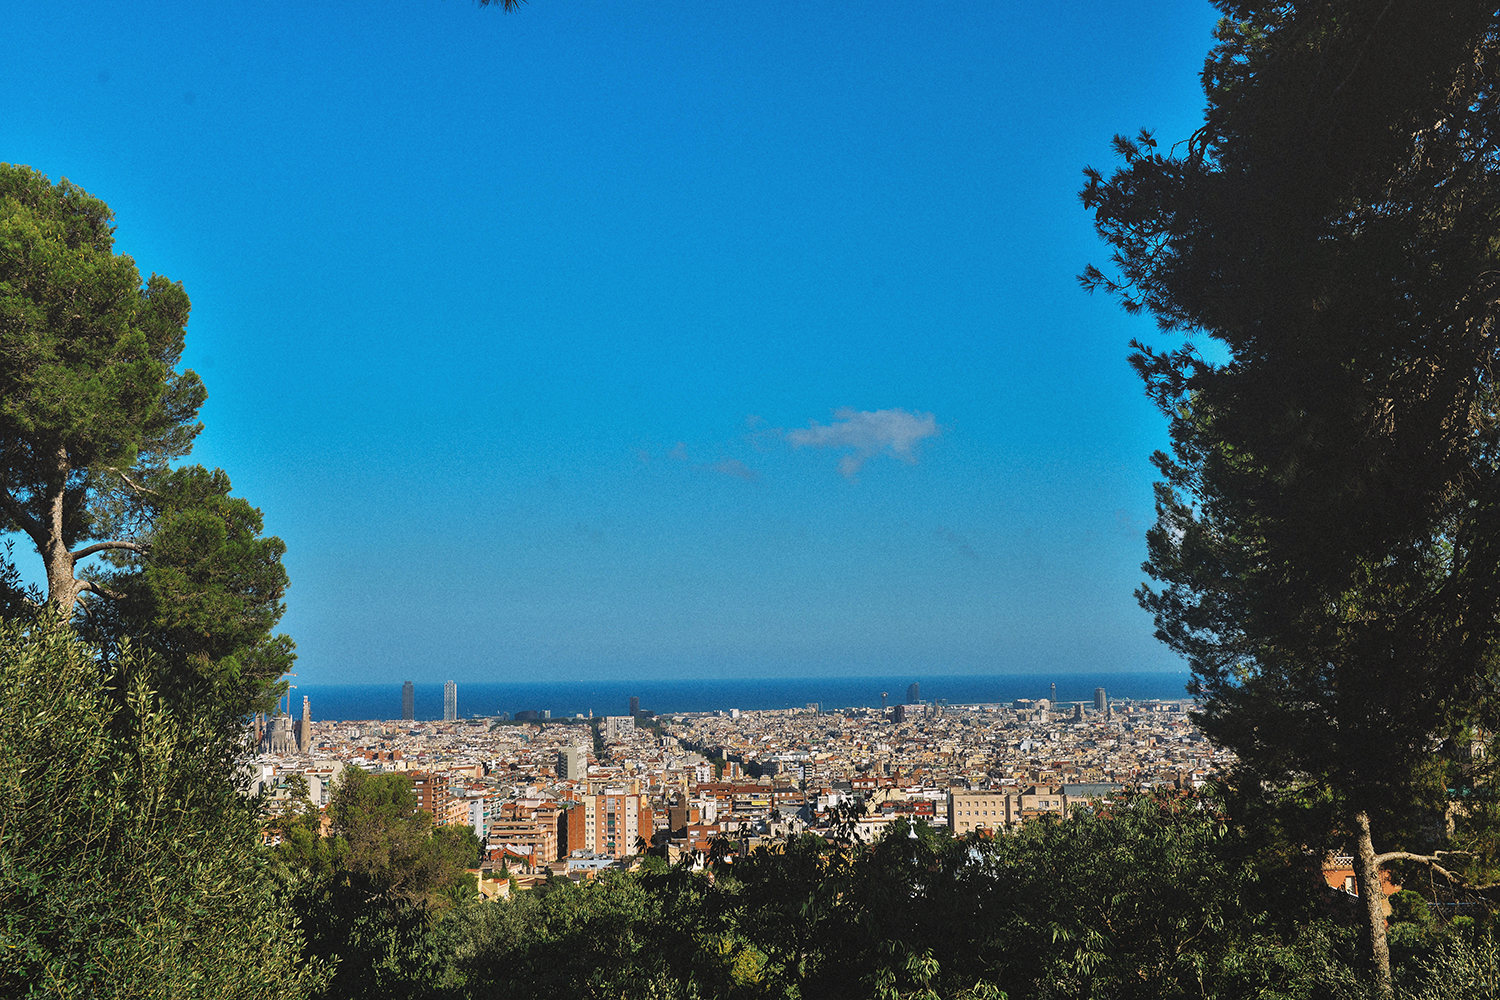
579,794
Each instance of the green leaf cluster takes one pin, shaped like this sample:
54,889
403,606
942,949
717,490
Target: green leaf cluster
207,598
90,350
130,864
372,891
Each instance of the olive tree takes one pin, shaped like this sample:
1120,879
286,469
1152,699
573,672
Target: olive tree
130,864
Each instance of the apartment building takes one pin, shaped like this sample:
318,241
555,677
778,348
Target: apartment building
612,820
529,836
435,797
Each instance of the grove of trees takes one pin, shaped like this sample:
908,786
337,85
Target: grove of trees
130,863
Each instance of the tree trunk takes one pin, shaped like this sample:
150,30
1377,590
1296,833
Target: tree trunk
62,586
1374,898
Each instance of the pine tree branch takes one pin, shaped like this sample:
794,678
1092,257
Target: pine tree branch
89,586
20,514
89,550
1431,861
137,487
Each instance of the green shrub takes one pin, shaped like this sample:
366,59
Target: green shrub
130,865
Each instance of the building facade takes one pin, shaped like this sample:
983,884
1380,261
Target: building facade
616,726
435,798
612,820
979,810
571,765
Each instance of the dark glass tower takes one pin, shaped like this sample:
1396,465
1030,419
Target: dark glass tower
408,702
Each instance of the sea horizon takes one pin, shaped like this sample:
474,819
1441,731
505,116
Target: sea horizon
566,699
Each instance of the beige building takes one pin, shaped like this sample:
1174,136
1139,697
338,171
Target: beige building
999,809
1040,800
982,810
571,764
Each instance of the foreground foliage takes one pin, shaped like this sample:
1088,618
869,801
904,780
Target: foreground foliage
130,866
1157,896
372,891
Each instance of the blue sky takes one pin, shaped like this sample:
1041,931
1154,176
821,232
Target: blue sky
608,340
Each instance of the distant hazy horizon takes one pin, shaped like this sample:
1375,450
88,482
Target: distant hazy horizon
382,702
619,674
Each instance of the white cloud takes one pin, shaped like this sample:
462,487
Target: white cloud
731,467
864,434
959,543
734,467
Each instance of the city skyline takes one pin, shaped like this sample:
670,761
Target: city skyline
647,699
647,342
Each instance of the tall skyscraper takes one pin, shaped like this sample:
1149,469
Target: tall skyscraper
635,705
408,702
1101,700
450,701
914,694
571,764
1053,699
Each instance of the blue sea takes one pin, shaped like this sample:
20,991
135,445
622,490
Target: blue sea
336,702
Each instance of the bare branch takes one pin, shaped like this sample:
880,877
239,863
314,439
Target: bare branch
1431,861
137,487
89,586
87,551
